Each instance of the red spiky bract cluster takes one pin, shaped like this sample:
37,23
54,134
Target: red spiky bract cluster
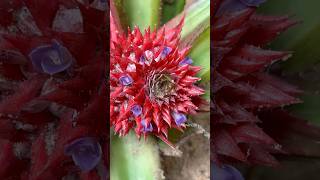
127,49
82,93
243,91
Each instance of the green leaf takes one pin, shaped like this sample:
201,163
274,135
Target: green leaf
171,9
197,18
132,159
141,13
200,53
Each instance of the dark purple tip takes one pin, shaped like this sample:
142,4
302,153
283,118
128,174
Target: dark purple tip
186,60
86,153
146,128
126,80
51,59
136,110
179,118
225,172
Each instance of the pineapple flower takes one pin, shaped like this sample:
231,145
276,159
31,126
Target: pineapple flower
249,122
53,89
152,81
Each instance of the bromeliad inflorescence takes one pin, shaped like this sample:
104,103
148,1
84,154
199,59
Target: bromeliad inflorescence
152,82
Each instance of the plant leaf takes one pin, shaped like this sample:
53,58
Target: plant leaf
197,19
200,53
141,13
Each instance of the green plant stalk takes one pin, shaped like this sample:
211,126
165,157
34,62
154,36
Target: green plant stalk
133,159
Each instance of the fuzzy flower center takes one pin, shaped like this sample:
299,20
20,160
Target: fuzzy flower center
161,86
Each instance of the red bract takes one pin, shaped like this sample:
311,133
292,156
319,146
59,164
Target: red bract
53,89
243,90
153,85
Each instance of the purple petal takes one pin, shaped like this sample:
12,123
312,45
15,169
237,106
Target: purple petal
179,118
225,172
136,110
126,80
51,59
86,153
145,127
186,60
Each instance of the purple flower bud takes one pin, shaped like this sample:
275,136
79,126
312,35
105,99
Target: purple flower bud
145,127
179,118
51,59
225,172
126,80
142,59
165,52
186,60
86,153
136,110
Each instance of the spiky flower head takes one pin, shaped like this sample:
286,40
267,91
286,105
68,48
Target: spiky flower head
152,82
242,88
